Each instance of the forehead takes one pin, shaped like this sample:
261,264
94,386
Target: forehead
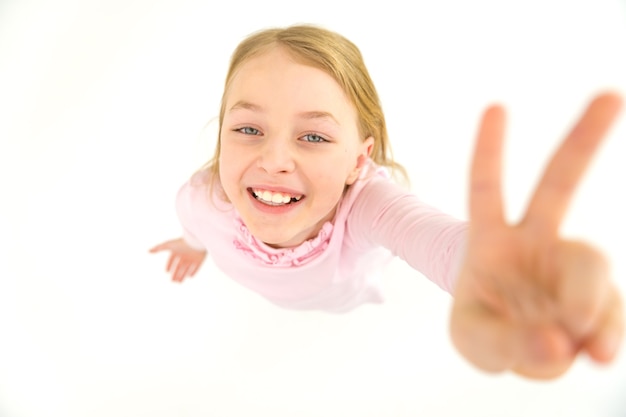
275,78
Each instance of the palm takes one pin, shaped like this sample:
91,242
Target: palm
184,260
526,299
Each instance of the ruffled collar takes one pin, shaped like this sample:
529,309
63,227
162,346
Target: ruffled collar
282,257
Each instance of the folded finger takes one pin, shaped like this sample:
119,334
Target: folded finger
604,344
583,286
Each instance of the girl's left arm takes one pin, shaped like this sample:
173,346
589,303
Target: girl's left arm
525,299
430,241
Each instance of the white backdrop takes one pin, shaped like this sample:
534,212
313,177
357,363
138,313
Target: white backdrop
103,106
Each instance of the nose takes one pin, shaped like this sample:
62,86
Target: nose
276,156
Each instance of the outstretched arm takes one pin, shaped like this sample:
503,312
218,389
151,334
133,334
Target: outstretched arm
526,299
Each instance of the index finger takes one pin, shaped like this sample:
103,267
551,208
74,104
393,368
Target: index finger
558,183
485,194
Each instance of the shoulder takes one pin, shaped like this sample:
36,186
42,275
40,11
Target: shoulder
374,185
373,193
202,189
202,177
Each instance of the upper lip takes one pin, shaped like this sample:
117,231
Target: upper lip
276,189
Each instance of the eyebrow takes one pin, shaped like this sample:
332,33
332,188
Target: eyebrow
310,115
245,105
318,115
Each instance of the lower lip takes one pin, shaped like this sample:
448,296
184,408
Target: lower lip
266,208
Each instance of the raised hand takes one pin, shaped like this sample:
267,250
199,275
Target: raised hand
526,299
184,261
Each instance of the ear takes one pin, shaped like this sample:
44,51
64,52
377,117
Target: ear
365,151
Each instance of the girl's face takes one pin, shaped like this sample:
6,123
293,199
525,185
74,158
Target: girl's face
289,146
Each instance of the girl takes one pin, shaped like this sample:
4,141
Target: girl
297,205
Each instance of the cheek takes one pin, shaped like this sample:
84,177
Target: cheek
236,155
224,163
225,152
329,184
229,168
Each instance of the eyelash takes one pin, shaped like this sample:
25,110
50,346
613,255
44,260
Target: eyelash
243,130
321,138
246,130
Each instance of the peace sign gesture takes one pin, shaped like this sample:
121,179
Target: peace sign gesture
527,300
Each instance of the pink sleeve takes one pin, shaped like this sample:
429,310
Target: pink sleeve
184,204
430,241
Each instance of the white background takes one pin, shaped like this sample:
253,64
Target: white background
103,107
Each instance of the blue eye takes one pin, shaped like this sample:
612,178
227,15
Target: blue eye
248,131
313,138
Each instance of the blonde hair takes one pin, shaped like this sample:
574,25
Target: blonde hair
337,56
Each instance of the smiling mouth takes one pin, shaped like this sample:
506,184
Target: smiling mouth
272,198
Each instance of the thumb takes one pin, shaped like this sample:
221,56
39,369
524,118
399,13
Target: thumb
159,247
495,344
483,338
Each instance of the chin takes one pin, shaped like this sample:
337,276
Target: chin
279,242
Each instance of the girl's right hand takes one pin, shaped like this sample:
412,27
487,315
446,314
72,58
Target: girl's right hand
184,260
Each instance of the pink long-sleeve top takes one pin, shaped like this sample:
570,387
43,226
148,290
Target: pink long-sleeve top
341,267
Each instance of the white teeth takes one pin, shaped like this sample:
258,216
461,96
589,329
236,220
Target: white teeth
274,197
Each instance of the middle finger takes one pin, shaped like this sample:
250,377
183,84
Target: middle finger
558,183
